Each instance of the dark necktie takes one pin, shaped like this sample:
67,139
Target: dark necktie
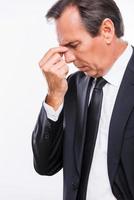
93,117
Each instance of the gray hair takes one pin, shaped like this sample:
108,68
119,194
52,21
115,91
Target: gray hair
92,13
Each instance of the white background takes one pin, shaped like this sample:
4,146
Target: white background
24,38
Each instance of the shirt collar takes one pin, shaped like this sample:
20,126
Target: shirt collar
116,72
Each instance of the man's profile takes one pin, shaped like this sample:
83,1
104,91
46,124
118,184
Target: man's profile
86,123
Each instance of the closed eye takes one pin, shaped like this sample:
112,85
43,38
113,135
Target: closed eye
72,46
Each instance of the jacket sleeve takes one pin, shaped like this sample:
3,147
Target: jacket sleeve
47,144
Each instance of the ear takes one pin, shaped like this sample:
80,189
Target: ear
107,30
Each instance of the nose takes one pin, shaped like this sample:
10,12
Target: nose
69,56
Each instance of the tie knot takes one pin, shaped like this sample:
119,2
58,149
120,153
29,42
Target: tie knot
100,82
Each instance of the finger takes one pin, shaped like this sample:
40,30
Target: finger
61,64
56,58
61,68
51,52
63,73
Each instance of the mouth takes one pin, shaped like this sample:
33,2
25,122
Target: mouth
83,68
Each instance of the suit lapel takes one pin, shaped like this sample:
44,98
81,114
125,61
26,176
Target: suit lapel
83,89
122,109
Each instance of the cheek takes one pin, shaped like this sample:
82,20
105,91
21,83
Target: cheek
84,54
88,52
93,54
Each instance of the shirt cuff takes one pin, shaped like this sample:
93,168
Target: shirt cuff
51,113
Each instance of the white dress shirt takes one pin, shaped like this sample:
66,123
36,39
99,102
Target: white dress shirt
98,184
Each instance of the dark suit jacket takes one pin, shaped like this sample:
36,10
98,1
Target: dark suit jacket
60,144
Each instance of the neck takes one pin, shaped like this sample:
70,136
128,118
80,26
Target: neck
115,51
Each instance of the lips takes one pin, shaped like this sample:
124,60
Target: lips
79,67
83,68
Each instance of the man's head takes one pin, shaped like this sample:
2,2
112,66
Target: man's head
90,29
92,13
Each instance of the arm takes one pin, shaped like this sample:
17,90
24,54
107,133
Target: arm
47,144
47,139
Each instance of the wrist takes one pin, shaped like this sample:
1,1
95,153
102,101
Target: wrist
54,101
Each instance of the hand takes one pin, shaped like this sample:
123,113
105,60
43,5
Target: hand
55,70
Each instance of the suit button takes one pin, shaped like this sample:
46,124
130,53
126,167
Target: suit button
75,186
46,136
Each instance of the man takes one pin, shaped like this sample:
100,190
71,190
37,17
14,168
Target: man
86,123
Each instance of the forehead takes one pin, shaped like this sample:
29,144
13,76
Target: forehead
69,26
